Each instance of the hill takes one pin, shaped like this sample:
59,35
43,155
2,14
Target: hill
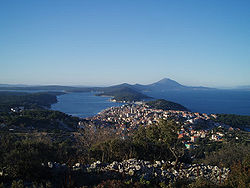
167,84
39,120
123,93
165,105
10,100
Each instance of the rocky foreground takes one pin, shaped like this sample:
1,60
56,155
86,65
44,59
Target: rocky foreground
162,171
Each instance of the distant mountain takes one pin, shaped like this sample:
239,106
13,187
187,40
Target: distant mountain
13,85
243,88
166,84
121,92
130,92
27,88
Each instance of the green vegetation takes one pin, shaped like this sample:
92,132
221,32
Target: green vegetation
148,143
23,155
32,138
24,158
39,119
237,121
10,100
165,105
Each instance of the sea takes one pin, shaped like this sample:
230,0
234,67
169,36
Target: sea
204,101
215,101
82,104
209,101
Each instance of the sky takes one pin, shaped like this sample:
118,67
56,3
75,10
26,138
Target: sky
97,42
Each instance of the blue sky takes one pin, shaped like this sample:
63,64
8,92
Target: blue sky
90,42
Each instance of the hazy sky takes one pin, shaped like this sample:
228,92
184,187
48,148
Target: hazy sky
90,42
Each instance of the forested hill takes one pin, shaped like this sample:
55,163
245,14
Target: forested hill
10,100
124,94
165,105
233,120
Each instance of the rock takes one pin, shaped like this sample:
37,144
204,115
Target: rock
77,165
175,172
121,170
158,163
173,163
149,166
131,172
114,165
137,167
50,164
93,165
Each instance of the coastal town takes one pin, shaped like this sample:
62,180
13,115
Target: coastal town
125,119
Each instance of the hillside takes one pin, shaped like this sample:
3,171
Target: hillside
10,100
165,105
166,84
39,120
123,93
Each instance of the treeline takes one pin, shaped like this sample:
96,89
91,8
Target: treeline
22,155
25,158
152,143
165,105
237,121
27,100
39,119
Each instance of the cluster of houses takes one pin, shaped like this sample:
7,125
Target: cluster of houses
17,109
128,117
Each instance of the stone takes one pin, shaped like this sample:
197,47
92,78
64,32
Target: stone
121,170
50,164
173,163
158,163
137,167
131,172
77,165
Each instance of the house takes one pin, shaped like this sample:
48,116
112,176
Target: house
189,145
17,109
194,138
181,135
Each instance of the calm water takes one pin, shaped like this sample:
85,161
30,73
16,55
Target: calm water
212,101
82,104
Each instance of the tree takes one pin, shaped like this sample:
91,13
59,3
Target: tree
17,184
169,134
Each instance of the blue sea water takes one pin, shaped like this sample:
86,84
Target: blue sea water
209,101
82,104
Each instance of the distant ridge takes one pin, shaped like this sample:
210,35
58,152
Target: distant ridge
121,92
247,87
162,85
167,84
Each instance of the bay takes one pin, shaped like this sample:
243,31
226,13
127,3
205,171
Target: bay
82,104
